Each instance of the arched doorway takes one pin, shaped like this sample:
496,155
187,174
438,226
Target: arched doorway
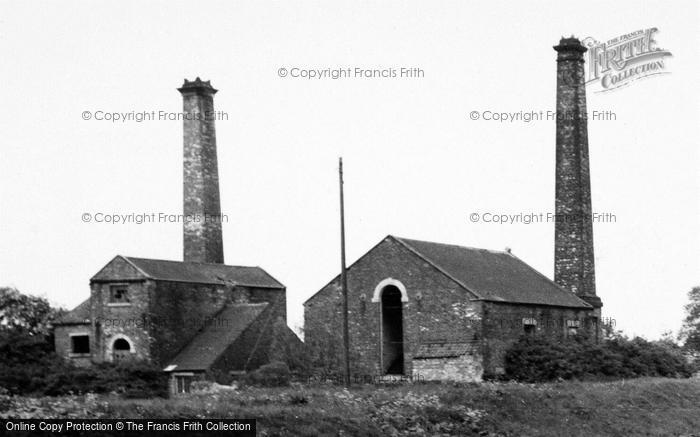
392,330
121,350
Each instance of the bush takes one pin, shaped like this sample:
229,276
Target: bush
28,365
273,374
537,359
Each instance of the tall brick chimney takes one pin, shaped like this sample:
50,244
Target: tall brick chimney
202,233
574,267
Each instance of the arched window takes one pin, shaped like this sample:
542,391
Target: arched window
121,350
391,317
390,281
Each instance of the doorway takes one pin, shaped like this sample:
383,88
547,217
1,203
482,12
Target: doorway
392,331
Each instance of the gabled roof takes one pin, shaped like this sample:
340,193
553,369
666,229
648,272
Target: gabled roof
201,273
207,346
493,275
76,316
487,274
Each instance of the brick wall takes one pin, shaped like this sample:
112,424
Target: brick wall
574,267
202,238
443,311
503,326
179,311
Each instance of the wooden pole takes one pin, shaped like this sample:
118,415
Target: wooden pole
344,278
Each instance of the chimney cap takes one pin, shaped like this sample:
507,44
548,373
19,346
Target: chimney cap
570,44
197,85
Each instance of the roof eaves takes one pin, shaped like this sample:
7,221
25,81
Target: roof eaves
125,258
348,269
281,285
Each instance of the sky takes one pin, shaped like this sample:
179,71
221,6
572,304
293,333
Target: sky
416,164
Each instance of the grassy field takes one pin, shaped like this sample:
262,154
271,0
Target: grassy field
642,407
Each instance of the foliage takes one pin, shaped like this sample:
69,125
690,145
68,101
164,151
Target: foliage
130,379
29,365
538,359
640,407
31,314
25,360
690,331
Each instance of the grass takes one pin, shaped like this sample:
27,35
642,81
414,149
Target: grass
640,407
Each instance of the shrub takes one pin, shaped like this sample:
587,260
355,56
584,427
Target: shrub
133,380
28,365
273,374
537,359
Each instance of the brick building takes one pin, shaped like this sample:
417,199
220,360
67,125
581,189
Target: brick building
197,317
439,311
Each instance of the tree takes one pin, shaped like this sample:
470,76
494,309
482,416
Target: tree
27,314
690,331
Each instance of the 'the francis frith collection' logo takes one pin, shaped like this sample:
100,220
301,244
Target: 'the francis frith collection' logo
620,61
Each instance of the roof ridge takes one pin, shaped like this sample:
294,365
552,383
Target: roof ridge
189,262
502,252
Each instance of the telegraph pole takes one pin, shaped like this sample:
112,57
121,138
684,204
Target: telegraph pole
344,278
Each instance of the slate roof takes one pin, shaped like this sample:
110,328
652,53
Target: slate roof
441,350
493,275
78,315
204,273
204,349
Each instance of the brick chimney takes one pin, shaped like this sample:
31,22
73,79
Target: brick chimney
574,267
201,204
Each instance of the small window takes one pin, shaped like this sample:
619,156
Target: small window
529,326
80,344
183,383
572,327
118,294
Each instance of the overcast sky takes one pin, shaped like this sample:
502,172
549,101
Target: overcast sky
416,165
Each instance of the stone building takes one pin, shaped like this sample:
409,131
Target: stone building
440,311
197,317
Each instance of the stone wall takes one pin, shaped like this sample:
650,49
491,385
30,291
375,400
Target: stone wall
162,316
465,368
63,342
128,321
